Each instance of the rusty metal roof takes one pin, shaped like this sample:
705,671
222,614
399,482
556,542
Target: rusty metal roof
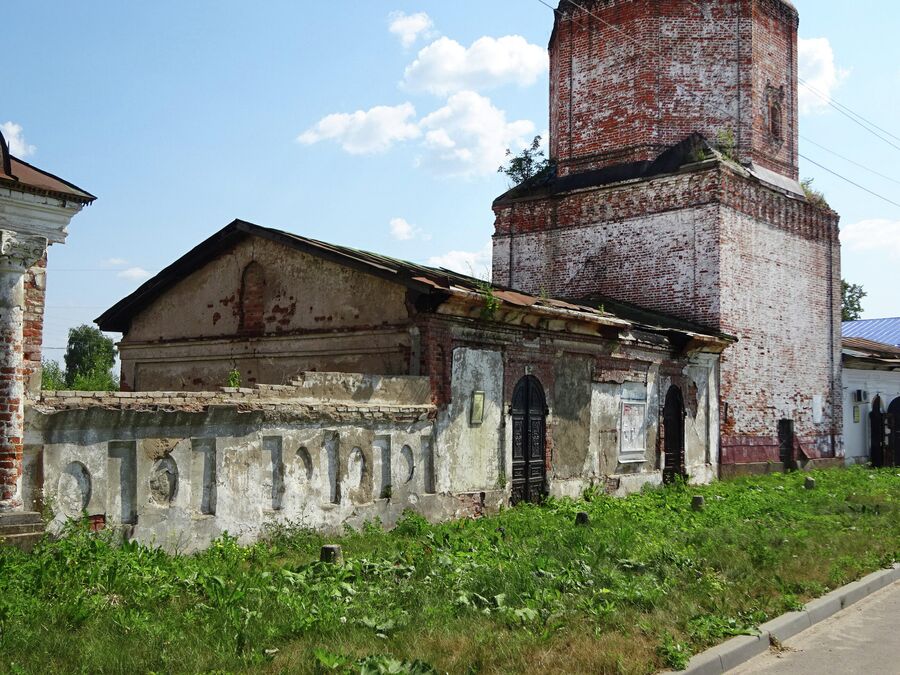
434,281
21,175
863,348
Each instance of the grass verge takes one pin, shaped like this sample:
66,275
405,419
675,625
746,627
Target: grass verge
646,583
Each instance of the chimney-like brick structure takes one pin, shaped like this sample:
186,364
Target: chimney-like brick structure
637,213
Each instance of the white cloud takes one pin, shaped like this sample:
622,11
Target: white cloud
445,66
474,263
818,69
410,27
877,234
134,274
469,136
115,262
401,230
365,131
15,139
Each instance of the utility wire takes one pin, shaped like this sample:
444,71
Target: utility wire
835,173
839,106
853,119
732,115
847,159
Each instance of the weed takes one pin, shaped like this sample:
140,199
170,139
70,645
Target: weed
490,302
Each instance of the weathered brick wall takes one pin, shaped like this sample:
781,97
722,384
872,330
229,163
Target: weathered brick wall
716,247
780,296
33,328
632,77
653,243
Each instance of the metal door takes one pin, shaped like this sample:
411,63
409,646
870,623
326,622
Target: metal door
892,433
673,435
529,415
876,426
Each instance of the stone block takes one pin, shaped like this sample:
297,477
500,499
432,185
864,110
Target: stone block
786,626
740,649
821,609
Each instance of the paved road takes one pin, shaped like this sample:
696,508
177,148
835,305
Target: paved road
863,639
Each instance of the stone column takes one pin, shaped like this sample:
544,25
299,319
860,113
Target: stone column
18,252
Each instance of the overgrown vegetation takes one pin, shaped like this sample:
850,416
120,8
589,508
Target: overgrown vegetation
529,163
646,583
490,303
726,143
89,358
851,301
813,196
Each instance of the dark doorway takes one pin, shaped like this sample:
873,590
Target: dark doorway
786,444
529,415
673,435
876,426
892,433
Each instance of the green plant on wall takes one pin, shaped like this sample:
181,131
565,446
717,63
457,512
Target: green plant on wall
726,144
490,303
234,378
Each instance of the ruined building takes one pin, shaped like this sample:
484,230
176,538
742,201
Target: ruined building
641,208
664,304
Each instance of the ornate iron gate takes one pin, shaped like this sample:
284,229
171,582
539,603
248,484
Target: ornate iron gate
529,415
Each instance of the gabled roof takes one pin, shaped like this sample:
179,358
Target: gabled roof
439,283
21,175
886,331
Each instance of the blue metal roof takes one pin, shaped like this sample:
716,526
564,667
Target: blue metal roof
886,331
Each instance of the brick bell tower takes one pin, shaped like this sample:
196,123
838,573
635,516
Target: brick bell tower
673,140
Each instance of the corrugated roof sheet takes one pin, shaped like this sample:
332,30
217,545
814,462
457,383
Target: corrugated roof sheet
886,331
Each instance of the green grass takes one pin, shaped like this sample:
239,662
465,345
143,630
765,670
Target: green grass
645,584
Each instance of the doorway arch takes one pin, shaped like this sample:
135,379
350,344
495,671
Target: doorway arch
892,433
673,435
876,433
529,423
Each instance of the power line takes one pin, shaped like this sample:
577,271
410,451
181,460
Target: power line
839,105
850,116
835,173
847,159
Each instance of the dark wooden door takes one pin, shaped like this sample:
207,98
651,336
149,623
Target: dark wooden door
876,426
529,415
892,433
673,435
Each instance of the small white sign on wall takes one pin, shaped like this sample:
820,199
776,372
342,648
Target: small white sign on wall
817,401
632,438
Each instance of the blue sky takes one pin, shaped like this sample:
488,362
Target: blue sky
374,124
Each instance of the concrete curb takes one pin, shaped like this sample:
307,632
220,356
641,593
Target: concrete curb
737,650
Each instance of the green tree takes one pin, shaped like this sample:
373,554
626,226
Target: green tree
90,357
53,377
851,301
527,164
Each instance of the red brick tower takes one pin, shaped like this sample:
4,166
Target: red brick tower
674,187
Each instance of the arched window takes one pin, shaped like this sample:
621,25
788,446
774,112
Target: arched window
253,286
775,121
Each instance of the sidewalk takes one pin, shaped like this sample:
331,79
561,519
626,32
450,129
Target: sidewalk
863,639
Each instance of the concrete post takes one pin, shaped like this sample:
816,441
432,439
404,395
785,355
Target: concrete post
18,252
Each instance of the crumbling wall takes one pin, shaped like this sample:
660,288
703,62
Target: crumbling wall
180,469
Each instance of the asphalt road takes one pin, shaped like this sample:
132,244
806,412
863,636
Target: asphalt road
863,639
